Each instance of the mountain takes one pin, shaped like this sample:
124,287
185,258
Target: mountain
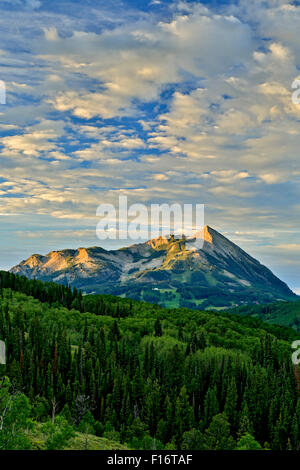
171,272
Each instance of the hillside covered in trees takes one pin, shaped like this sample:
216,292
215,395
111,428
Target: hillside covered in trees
140,376
281,313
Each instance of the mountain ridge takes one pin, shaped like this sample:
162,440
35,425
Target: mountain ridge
184,272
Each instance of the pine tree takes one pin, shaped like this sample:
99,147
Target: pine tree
211,405
230,408
184,416
217,436
157,328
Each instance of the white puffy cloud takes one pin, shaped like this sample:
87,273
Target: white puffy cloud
195,106
135,62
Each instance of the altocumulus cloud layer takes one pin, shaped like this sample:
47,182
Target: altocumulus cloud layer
160,101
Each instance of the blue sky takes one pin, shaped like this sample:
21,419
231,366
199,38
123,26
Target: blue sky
167,101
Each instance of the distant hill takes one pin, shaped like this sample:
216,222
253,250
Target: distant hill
281,313
166,271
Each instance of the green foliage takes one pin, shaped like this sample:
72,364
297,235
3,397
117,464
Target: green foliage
247,442
14,418
158,328
286,314
58,433
190,380
217,436
193,440
87,424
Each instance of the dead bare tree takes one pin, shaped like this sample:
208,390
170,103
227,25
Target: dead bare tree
54,403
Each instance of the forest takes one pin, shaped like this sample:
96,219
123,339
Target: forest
281,313
140,376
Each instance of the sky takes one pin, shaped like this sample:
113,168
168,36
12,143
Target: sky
160,101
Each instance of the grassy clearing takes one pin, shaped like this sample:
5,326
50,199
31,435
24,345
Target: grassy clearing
79,442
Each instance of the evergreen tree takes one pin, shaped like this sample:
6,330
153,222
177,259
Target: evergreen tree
157,328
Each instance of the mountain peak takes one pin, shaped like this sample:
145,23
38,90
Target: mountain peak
159,242
218,272
34,260
82,255
207,234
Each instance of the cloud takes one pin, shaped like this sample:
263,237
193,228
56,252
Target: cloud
31,143
27,4
160,177
183,103
136,61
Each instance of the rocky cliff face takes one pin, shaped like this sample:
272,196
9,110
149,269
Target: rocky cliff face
166,270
